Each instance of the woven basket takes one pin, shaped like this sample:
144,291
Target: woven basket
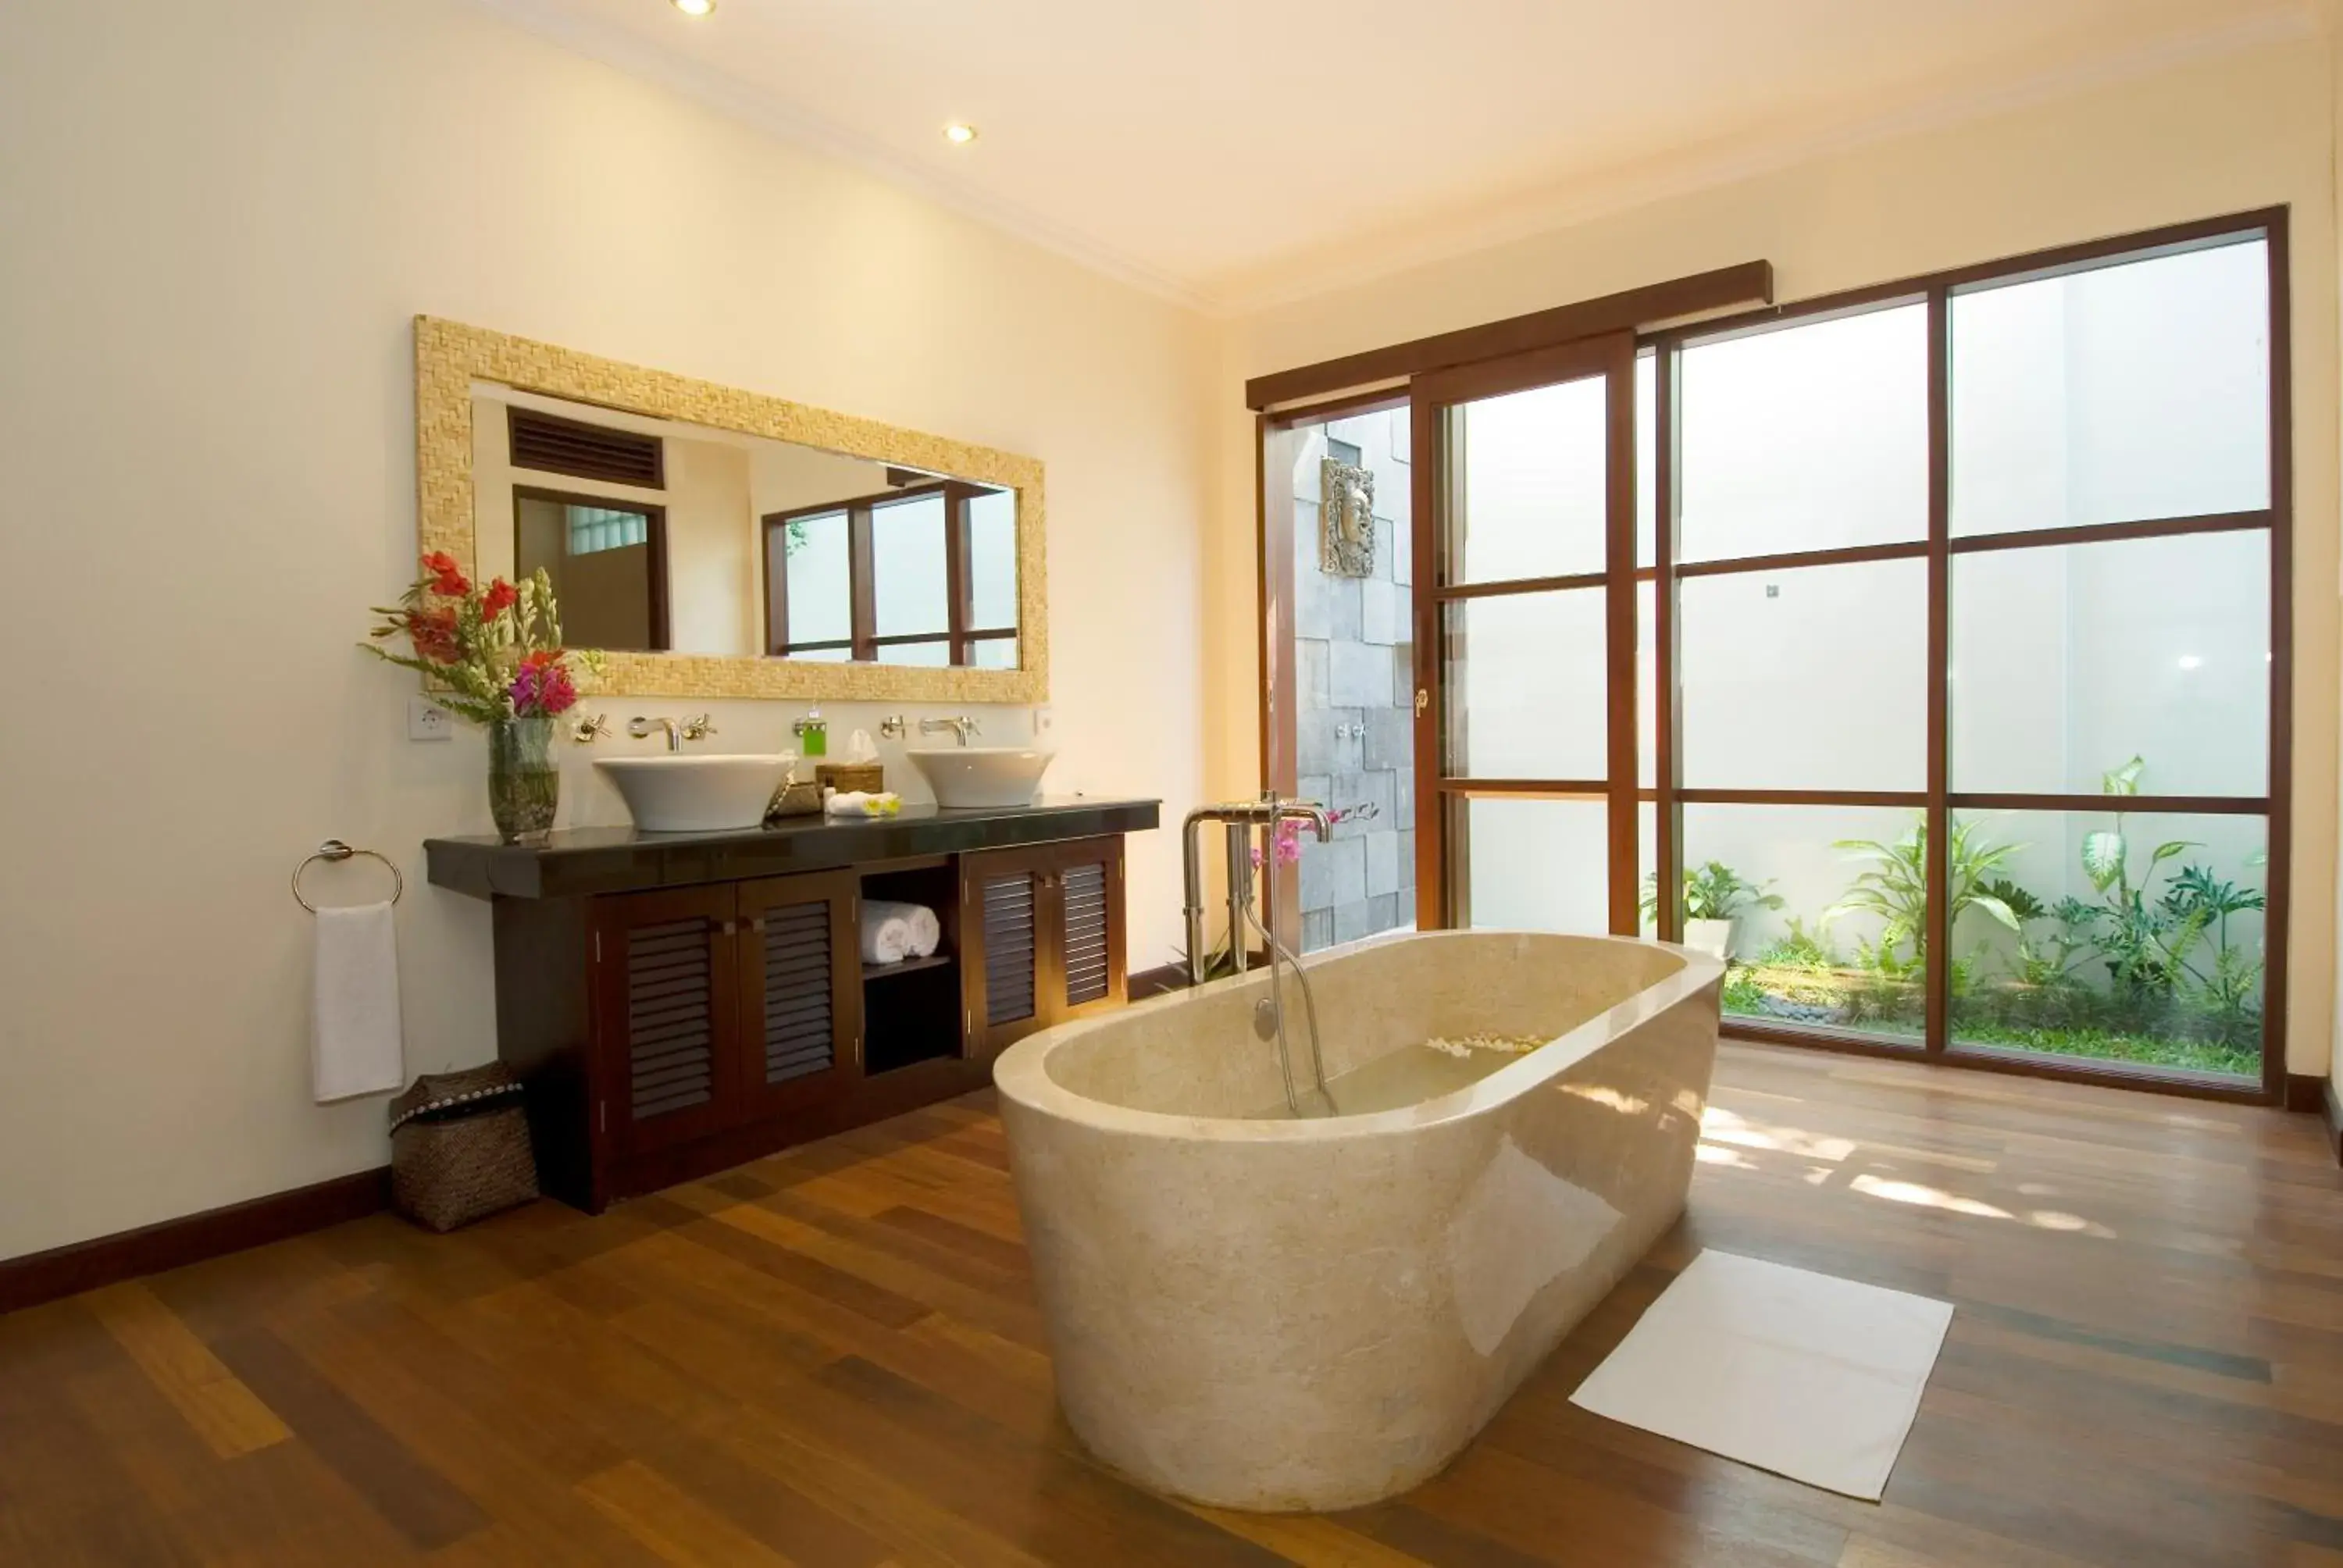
460,1147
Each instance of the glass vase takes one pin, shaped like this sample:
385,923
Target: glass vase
524,779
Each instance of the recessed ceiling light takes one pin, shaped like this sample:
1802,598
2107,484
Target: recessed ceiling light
960,134
695,7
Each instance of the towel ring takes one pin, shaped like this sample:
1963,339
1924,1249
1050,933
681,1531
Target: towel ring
335,850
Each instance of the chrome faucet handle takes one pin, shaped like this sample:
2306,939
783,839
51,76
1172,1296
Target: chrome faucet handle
963,725
587,729
894,727
699,728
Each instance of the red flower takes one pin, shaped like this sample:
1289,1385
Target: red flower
501,597
434,634
542,657
447,577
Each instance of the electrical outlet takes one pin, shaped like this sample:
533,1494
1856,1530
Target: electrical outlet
1041,721
427,720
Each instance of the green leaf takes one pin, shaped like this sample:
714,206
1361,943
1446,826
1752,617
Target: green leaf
2104,853
1998,910
2123,780
2166,851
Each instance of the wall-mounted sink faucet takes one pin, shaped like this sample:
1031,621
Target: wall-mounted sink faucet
678,731
963,726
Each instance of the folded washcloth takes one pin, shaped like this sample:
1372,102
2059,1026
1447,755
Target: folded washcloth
889,932
855,803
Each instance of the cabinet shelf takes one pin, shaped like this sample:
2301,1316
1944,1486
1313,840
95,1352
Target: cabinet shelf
909,966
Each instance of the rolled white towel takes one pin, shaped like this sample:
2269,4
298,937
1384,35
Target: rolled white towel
927,931
922,932
887,933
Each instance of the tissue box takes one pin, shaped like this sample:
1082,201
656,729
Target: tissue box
843,777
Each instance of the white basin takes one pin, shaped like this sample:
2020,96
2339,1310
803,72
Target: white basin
693,792
972,776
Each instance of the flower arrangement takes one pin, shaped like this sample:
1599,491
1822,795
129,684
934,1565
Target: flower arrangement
496,650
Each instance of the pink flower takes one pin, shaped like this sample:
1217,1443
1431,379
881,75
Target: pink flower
1289,844
543,686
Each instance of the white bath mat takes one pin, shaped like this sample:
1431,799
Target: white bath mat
1807,1376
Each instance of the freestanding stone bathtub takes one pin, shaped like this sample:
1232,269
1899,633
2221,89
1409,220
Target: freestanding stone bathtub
1258,1311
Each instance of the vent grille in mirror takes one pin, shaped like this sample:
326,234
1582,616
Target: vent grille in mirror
553,445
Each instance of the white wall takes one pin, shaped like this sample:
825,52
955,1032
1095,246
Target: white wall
220,220
2223,135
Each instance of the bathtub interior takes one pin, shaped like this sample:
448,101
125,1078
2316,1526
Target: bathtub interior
1200,1055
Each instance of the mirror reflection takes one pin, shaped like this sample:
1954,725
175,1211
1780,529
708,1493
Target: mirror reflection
664,536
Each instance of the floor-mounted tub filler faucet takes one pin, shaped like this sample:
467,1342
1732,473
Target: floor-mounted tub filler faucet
1239,819
676,731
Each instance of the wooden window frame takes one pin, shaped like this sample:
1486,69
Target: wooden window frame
959,635
1413,365
656,554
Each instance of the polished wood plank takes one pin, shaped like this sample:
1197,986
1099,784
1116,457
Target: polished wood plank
832,1358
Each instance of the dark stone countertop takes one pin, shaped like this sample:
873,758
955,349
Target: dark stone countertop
580,862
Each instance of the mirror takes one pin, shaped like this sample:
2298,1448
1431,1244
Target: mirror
665,537
714,542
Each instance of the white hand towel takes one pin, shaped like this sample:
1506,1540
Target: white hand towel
356,1048
886,932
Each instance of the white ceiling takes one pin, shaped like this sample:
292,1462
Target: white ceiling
1229,152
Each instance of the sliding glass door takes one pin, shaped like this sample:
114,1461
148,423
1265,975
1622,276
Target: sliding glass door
1924,652
1972,653
1525,640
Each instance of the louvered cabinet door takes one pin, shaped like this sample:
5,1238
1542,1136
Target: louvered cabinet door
1084,928
667,1015
1001,978
801,990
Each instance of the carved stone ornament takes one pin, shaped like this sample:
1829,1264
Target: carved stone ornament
1346,519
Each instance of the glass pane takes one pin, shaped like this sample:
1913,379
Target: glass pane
1532,469
1532,865
821,598
2139,390
825,655
1806,438
994,653
1647,457
593,529
1648,689
1647,859
1811,678
1821,908
907,563
2069,661
928,654
1524,690
992,559
2137,938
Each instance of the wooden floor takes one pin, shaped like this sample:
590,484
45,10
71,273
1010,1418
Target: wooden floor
833,1357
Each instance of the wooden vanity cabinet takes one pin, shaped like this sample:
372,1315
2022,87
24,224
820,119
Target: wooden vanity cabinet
1044,937
719,1008
723,1004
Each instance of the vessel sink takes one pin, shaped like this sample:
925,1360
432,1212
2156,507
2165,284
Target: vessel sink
983,776
695,792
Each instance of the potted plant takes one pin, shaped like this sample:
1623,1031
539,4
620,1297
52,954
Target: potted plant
494,655
1714,895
